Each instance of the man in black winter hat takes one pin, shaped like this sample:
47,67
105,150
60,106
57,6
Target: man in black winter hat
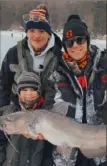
76,40
84,59
81,80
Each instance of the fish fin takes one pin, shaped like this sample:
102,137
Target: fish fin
60,108
67,151
64,150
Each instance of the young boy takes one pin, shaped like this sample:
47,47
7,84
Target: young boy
30,152
29,91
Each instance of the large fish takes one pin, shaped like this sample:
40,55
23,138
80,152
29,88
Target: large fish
58,130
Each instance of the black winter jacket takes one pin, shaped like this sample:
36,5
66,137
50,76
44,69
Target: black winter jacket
31,152
86,103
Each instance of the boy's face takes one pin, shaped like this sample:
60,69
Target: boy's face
28,97
38,38
29,94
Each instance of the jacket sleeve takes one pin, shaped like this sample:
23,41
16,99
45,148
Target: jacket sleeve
53,92
49,94
6,79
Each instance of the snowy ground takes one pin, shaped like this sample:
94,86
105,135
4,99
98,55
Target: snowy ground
10,38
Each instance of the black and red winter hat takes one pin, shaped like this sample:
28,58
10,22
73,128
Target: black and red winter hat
75,27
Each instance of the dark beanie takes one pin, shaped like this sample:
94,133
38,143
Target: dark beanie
28,80
44,23
75,27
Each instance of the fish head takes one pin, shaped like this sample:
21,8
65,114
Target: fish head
16,123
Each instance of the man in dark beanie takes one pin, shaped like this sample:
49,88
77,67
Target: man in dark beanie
76,40
81,80
75,27
84,60
26,151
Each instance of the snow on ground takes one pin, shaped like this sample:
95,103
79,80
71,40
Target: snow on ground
10,38
7,40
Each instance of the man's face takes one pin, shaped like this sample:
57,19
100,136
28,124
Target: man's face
38,38
77,51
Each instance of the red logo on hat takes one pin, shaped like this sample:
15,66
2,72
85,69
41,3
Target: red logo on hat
69,34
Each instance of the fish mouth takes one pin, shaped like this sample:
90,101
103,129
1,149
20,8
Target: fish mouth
7,130
8,127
